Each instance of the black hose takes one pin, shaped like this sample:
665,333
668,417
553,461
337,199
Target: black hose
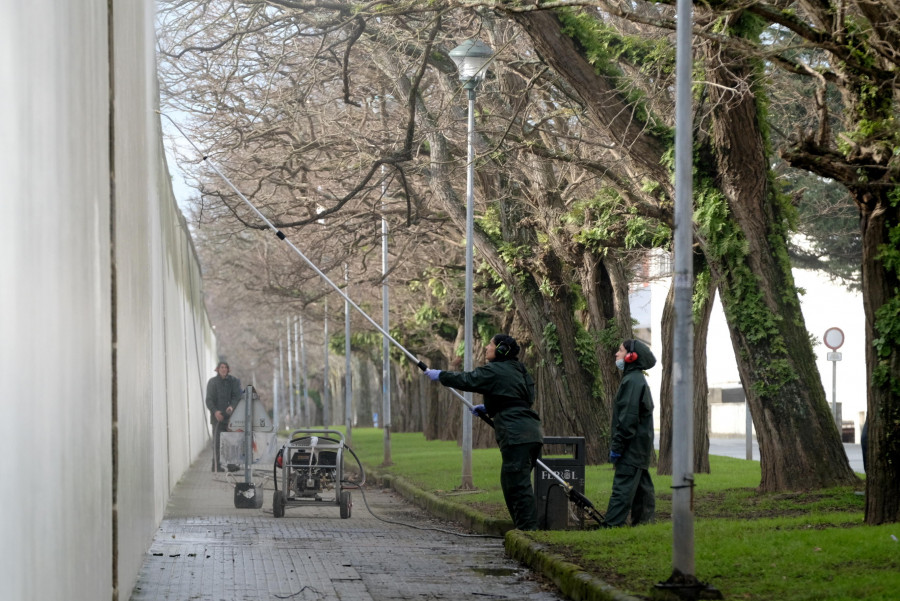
362,491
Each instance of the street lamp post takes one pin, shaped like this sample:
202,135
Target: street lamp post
290,369
683,582
279,395
348,376
682,378
471,58
296,410
307,412
326,394
386,326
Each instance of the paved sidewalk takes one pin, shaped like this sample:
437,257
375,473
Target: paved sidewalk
206,549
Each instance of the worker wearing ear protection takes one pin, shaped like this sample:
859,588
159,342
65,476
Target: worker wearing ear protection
632,439
508,391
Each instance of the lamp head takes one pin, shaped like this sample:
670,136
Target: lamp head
471,57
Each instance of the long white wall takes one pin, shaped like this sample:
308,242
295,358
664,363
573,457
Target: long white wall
105,345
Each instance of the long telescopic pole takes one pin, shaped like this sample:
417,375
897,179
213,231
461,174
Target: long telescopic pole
574,496
312,265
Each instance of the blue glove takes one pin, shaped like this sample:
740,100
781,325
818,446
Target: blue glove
613,457
478,410
433,374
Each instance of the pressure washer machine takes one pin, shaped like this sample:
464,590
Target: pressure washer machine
312,471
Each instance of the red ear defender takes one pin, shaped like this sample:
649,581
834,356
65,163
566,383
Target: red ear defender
631,356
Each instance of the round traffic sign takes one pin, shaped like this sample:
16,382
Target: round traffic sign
834,338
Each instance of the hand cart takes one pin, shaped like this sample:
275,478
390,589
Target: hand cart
256,434
312,471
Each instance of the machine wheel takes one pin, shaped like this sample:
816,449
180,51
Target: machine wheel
278,504
346,505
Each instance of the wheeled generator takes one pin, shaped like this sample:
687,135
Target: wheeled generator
311,468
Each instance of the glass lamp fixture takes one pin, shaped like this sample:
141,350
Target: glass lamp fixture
471,57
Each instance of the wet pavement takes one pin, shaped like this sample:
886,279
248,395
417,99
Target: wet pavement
206,549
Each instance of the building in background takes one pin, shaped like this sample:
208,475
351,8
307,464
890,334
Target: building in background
825,305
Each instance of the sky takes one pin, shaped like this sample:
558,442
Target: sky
173,140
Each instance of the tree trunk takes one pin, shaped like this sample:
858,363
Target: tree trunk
864,161
579,409
564,388
565,399
800,445
607,104
701,387
605,287
880,220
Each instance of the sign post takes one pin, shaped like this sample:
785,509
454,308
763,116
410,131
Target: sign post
834,339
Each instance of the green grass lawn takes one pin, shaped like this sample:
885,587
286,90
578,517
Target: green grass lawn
748,545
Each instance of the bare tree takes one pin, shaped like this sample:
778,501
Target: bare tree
313,150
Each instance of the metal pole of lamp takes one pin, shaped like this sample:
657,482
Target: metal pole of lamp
471,58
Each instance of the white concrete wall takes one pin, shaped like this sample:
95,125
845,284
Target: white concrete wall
55,310
105,346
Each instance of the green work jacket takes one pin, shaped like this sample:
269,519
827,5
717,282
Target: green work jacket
632,421
508,392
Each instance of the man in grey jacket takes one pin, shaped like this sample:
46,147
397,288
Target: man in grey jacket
223,391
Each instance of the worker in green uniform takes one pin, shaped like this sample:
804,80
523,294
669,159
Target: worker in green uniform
632,439
508,392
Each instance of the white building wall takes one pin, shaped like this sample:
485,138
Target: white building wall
728,419
135,199
824,305
658,288
55,315
95,434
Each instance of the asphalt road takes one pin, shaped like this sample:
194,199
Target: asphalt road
737,447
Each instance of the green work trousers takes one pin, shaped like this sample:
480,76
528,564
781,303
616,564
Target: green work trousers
633,492
515,480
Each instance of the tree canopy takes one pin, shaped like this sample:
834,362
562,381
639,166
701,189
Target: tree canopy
332,115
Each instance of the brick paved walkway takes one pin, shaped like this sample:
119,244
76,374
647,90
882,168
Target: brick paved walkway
207,550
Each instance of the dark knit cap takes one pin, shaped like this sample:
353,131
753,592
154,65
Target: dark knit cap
507,348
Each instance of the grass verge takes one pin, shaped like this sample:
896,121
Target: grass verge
748,545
